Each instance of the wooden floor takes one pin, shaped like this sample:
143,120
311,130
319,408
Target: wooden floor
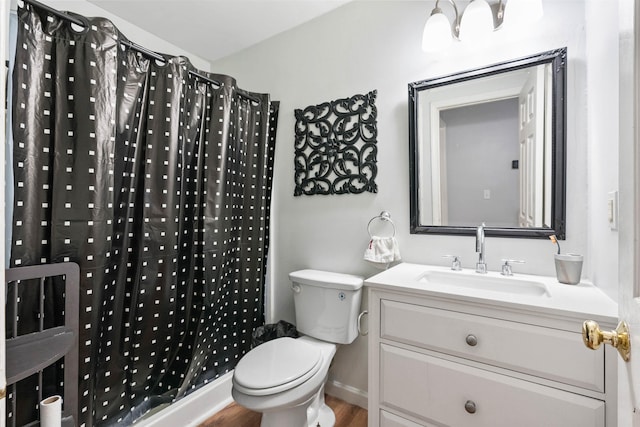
236,416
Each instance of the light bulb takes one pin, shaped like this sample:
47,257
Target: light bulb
437,33
477,21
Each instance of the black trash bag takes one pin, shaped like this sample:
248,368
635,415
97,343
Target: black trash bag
272,331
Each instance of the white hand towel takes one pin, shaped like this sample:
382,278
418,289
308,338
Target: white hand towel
382,251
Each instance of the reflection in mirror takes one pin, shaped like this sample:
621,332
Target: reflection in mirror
478,162
487,145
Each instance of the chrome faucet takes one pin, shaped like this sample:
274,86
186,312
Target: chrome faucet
481,265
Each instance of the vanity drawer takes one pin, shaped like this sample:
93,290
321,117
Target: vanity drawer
446,393
543,352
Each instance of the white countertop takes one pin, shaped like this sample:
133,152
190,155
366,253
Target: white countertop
583,300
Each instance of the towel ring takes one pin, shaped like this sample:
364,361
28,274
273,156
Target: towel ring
384,216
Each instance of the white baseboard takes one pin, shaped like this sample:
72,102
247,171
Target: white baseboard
195,408
202,404
347,393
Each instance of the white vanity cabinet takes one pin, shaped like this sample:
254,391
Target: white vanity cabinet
448,358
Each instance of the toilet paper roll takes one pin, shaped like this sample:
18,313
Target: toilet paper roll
51,412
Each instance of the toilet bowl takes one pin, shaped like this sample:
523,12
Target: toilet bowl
284,378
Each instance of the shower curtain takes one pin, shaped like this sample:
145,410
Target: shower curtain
157,183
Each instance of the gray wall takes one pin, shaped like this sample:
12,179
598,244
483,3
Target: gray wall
481,143
367,45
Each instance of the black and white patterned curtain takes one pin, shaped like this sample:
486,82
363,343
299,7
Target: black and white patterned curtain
157,183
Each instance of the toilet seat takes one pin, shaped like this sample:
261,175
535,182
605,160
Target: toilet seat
276,366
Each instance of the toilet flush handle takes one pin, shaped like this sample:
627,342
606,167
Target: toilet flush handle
296,288
360,324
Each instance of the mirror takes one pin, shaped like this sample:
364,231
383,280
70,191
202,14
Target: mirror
488,146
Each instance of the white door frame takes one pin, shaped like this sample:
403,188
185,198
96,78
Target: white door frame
629,206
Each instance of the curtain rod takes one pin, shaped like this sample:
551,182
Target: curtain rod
129,44
55,12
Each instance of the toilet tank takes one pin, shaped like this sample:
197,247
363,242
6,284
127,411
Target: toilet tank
327,304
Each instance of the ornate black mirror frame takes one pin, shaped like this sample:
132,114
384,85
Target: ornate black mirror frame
558,60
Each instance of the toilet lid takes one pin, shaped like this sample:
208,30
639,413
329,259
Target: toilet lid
278,364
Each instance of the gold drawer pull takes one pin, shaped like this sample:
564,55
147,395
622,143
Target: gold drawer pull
593,337
472,340
470,406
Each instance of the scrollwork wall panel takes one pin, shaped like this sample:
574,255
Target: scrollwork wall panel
335,146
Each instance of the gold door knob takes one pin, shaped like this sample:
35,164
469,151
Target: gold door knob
593,337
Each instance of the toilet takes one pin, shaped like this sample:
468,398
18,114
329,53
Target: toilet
284,378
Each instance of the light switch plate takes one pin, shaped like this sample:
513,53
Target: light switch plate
612,210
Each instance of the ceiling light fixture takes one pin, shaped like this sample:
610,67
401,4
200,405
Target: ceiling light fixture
478,21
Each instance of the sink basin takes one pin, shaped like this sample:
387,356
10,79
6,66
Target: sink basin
492,283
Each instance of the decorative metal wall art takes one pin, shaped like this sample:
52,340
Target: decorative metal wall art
335,147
